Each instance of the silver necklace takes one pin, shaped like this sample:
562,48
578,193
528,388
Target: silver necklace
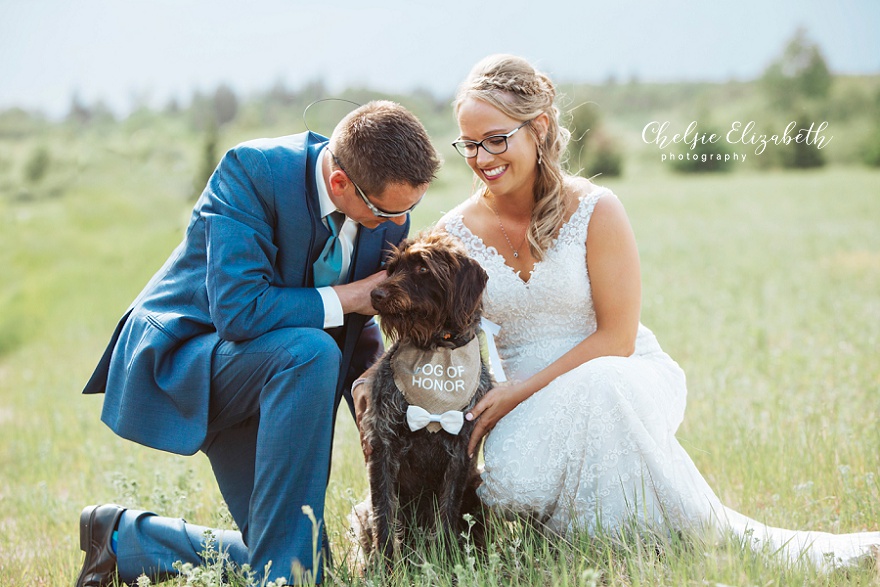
507,238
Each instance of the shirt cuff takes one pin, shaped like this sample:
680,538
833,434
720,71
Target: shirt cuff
333,315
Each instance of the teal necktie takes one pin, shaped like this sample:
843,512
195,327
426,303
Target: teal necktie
329,263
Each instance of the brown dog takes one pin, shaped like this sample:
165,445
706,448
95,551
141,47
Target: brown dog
419,470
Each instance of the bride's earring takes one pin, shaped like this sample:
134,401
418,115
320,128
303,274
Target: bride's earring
540,152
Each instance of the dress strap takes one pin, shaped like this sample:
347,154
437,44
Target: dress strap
575,230
474,245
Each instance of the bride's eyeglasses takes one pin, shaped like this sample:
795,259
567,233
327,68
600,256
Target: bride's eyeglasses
494,145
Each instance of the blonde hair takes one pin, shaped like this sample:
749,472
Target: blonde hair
517,89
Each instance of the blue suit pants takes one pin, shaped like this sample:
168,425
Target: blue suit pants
269,439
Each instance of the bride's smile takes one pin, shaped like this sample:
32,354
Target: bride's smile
494,172
506,155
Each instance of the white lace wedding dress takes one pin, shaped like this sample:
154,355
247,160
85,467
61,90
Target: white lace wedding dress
597,446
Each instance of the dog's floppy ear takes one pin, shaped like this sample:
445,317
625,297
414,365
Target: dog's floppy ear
470,281
392,253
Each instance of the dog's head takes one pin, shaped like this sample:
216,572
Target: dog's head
433,293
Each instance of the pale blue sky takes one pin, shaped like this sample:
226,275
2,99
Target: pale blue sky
118,49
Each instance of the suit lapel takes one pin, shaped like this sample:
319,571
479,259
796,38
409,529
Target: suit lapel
320,233
367,253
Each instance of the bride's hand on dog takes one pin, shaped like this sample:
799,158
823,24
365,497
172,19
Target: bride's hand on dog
355,296
496,404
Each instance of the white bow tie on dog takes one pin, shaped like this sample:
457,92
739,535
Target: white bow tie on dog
418,418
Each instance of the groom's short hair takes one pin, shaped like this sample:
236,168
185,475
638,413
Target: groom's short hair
381,143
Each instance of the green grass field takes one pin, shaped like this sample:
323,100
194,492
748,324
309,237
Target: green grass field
765,287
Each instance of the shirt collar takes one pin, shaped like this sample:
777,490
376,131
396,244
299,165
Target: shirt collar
327,205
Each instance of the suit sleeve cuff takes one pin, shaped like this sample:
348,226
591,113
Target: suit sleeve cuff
333,315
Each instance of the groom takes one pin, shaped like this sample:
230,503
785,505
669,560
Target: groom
244,343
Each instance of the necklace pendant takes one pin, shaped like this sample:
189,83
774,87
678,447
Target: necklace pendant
515,255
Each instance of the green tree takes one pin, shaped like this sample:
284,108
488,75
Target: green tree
225,105
800,72
207,161
79,111
214,109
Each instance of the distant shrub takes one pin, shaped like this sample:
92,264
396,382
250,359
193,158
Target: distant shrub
872,149
591,150
604,158
704,157
848,102
871,152
802,156
584,121
37,165
17,123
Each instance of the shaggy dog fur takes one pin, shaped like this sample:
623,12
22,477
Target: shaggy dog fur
421,481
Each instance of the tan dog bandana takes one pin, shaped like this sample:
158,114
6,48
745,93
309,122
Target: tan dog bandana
439,380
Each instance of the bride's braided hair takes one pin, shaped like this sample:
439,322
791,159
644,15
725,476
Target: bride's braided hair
521,92
507,83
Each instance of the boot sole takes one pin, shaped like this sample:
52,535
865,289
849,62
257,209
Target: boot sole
85,525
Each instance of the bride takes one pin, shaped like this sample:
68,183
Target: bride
584,434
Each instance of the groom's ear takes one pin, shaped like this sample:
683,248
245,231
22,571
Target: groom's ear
338,183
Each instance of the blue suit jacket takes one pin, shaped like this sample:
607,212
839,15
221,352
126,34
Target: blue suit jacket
244,268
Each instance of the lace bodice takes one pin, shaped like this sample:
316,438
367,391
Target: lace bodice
544,317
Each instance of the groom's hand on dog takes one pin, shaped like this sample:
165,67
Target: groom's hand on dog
355,296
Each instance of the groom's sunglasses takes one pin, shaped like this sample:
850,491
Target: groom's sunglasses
373,208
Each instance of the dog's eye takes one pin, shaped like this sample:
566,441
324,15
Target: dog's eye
421,270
